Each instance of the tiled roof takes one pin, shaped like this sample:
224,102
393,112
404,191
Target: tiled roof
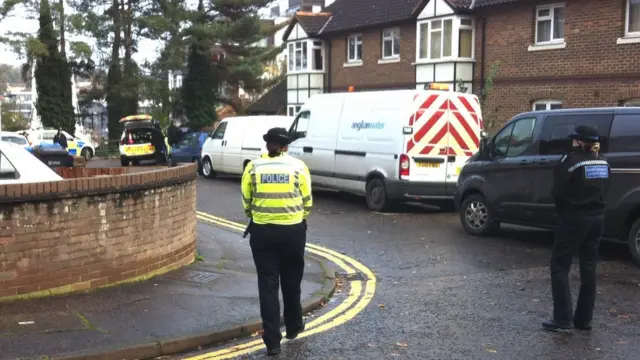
355,14
271,102
312,23
484,3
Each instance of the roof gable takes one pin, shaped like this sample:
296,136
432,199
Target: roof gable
310,22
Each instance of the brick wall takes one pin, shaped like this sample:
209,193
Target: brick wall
371,75
85,233
80,172
592,70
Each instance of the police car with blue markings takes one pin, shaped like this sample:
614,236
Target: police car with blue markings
510,179
75,145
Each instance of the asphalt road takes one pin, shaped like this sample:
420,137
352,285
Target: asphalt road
442,294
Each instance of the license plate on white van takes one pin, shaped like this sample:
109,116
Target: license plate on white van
428,165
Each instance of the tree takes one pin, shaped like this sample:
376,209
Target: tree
12,118
200,84
53,79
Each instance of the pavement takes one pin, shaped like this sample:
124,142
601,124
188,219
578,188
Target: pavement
444,295
215,299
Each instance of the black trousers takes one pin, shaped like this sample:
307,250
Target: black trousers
278,252
576,235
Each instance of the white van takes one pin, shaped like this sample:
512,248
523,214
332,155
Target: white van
399,145
236,141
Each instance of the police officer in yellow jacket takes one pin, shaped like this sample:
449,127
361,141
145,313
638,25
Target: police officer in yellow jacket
276,195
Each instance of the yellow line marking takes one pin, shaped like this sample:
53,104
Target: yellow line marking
315,326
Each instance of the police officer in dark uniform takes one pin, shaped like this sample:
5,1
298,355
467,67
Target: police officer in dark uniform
581,181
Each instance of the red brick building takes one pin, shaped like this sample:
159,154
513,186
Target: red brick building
538,54
581,53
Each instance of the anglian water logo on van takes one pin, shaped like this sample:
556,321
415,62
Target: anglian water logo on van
367,125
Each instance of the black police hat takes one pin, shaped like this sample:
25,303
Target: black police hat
278,135
585,133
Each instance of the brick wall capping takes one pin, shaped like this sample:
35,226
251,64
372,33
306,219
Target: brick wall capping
147,178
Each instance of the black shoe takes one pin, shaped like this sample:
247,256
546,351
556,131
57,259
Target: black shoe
295,334
273,351
553,325
583,326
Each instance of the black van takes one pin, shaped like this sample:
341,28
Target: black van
510,178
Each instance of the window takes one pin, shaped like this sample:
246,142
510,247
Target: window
465,39
298,56
219,132
515,139
633,18
391,43
15,140
318,58
7,171
550,24
625,133
557,128
547,105
556,142
300,125
292,110
631,102
445,38
354,48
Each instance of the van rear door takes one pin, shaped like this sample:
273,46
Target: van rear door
463,137
427,146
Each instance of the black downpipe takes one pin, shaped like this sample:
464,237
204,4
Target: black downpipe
483,51
328,66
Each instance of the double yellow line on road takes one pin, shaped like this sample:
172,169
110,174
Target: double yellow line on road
356,300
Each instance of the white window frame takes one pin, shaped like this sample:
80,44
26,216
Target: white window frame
455,38
627,23
552,8
631,102
293,110
315,45
546,102
293,49
387,38
357,41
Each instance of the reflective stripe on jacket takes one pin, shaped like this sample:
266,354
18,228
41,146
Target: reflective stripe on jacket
276,190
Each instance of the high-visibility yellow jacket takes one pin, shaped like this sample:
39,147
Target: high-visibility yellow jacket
276,190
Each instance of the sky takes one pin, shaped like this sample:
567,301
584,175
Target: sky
18,22
147,50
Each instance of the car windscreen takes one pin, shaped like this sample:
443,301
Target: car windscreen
15,140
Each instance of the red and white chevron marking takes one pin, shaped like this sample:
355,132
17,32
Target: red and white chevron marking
434,135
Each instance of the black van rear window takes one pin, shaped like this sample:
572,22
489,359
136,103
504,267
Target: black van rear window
625,134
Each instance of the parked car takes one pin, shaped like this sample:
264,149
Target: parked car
18,166
390,146
15,138
75,145
236,141
510,179
135,142
189,149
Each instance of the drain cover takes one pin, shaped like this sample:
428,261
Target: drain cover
200,277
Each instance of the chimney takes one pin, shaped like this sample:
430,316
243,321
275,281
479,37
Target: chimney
315,6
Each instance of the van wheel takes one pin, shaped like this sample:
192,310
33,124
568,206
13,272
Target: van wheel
476,217
124,161
376,195
634,241
207,168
